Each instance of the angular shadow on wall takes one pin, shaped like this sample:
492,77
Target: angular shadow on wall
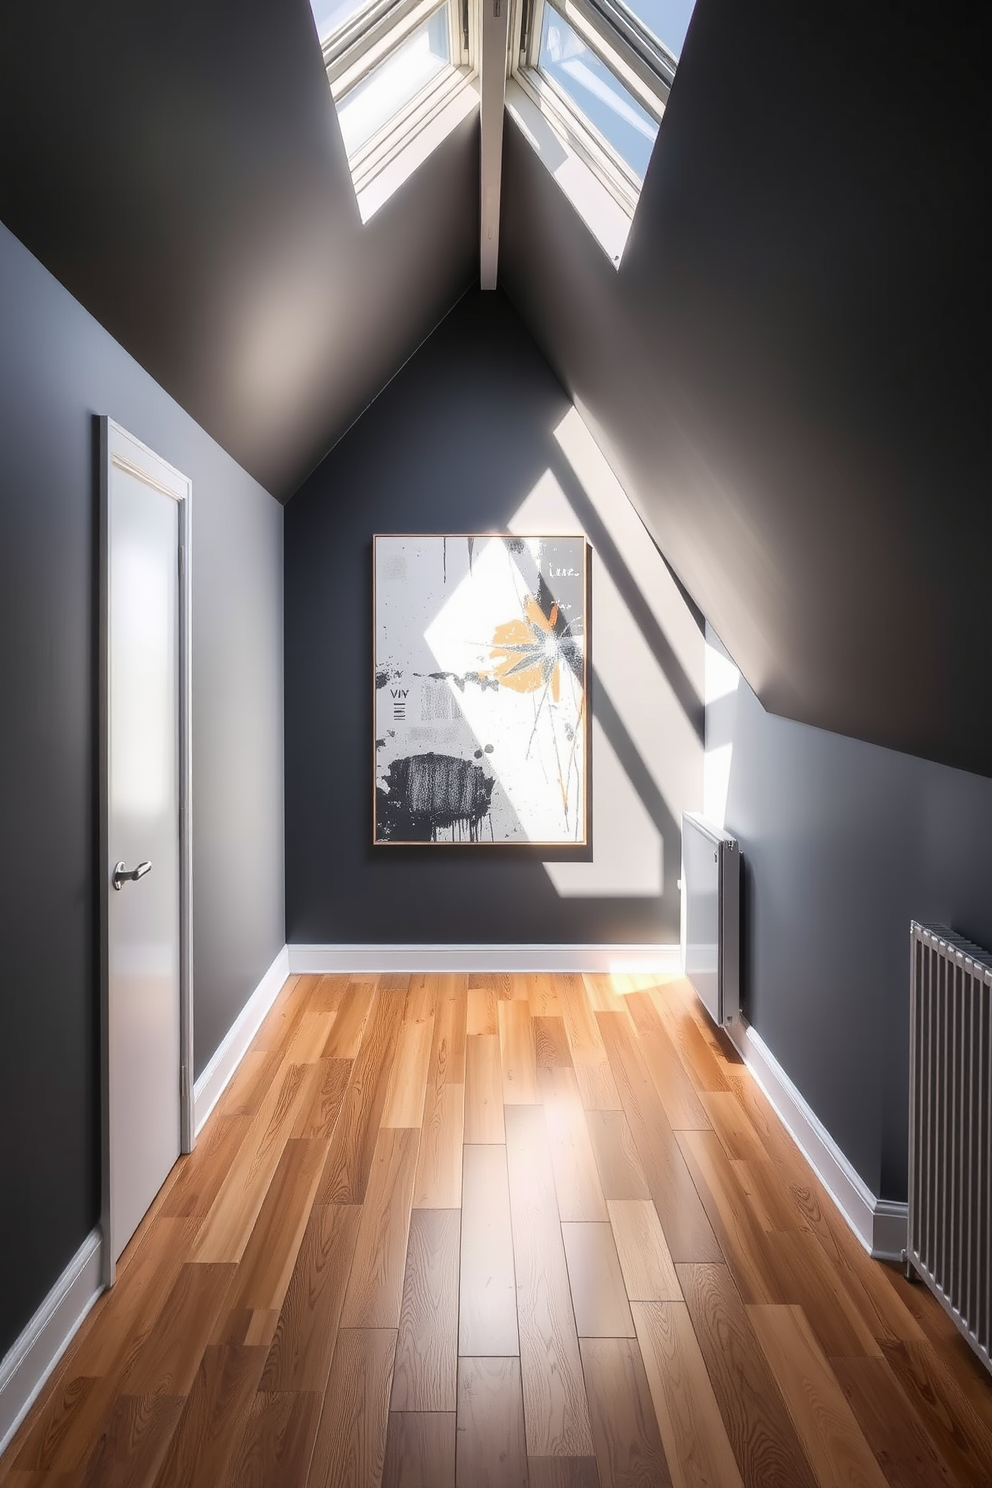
647,700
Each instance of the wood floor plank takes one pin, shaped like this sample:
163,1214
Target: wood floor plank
556,1411
742,1240
422,996
834,1442
345,1037
438,1184
732,1125
691,1045
551,1044
425,1375
599,1300
597,1087
487,1304
270,1254
420,1450
957,1431
563,1472
483,1090
318,1117
375,1288
490,1448
447,1064
768,1195
309,1037
687,1229
482,1011
168,1359
305,1335
201,1170
213,1418
629,1448
645,1261
404,1104
903,1447
620,1172
349,1156
802,1276
581,1028
229,1221
767,1448
275,1448
330,989
278,1023
602,995
542,995
683,1107
577,1186
695,1439
518,1054
134,1441
350,1446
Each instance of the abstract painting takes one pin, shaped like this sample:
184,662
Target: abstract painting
481,719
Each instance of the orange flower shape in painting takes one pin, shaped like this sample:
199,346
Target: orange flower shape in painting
528,653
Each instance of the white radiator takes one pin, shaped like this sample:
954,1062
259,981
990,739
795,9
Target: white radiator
950,1127
711,887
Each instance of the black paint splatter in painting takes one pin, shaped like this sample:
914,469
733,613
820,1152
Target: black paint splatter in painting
384,675
429,793
459,679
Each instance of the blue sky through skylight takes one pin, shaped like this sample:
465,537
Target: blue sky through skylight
667,20
596,93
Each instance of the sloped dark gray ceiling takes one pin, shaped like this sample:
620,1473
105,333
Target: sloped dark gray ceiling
790,371
177,164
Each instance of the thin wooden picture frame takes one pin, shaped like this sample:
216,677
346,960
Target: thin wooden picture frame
480,690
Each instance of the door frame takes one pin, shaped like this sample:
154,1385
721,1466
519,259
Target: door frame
120,449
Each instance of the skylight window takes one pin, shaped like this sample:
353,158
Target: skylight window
586,81
401,75
589,85
389,88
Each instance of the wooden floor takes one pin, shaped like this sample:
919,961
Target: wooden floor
497,1231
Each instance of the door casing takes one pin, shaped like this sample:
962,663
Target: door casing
118,448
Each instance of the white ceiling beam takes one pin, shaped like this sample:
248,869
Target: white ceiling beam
492,78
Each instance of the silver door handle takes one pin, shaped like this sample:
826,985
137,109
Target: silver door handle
124,875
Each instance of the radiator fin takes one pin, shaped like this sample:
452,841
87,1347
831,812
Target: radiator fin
950,1127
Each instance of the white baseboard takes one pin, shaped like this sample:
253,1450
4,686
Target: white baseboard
879,1224
36,1352
663,959
213,1081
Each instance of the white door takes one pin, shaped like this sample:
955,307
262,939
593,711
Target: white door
145,517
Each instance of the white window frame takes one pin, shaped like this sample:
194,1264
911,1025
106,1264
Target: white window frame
368,39
644,67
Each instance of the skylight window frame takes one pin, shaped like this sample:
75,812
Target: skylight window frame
644,67
367,40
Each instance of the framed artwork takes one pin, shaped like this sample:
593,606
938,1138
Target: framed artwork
481,718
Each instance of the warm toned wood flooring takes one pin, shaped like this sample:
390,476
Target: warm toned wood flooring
486,1231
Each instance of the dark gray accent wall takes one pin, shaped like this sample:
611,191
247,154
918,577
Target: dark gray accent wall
790,370
178,165
58,371
454,444
843,844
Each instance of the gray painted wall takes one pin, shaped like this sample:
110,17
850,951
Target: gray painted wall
843,844
461,439
58,370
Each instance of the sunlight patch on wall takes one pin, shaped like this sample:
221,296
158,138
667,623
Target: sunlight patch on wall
629,677
628,848
722,681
